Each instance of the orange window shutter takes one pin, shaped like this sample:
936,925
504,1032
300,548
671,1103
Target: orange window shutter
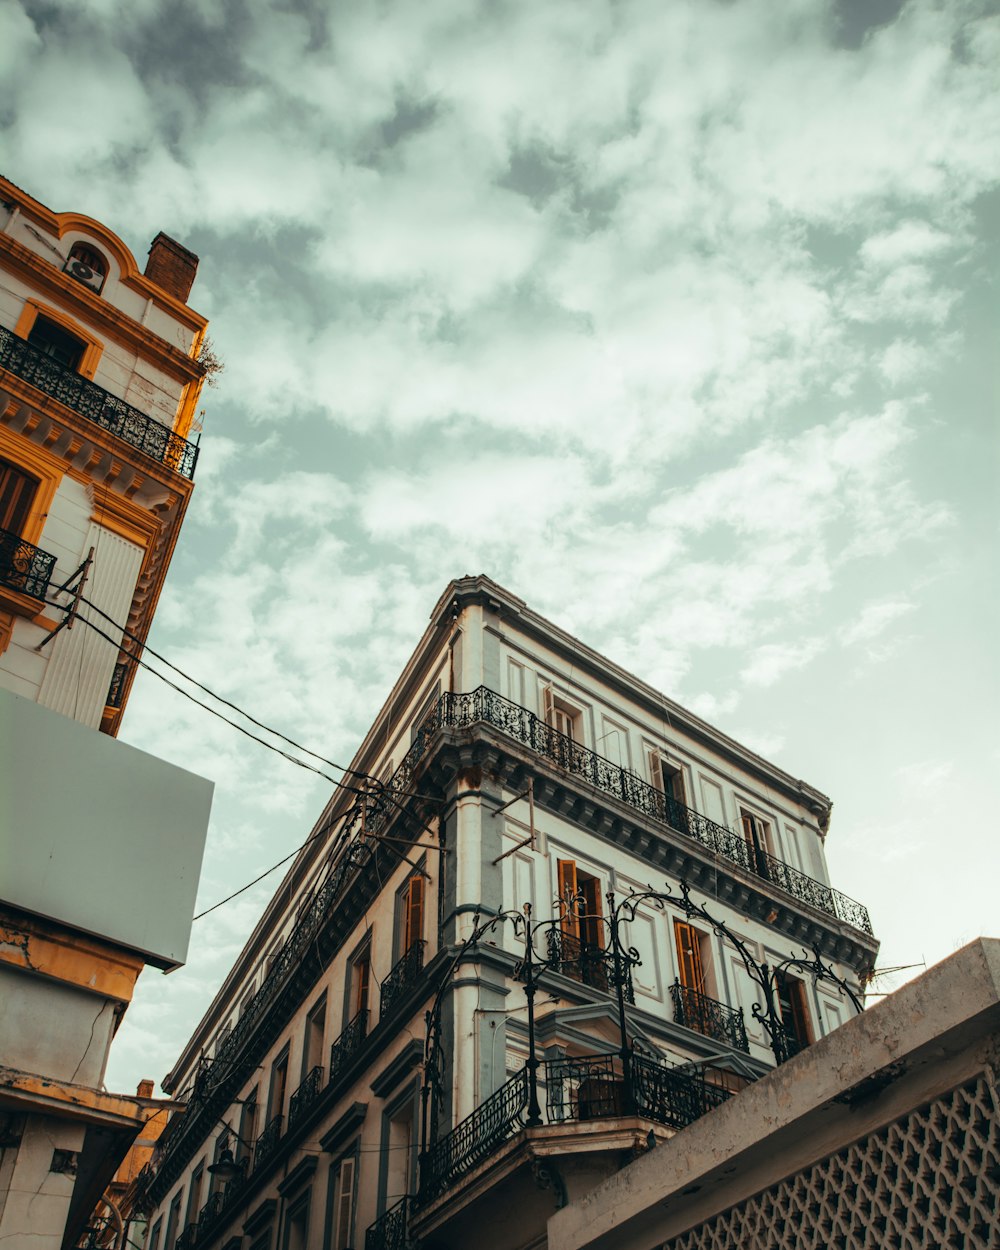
800,1013
692,975
362,972
566,870
414,911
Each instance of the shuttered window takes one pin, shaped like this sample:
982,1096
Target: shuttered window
17,489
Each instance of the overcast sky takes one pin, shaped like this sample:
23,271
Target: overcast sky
677,318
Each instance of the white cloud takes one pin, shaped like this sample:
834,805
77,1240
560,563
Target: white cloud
772,661
873,620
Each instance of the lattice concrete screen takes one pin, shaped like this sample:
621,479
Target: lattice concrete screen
930,1179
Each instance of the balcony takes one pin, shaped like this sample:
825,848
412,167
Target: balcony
484,705
187,1239
389,1230
581,960
347,1045
707,1016
24,567
305,1095
404,974
96,404
267,1142
578,1089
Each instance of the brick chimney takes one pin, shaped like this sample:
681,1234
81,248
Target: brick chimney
171,266
145,1090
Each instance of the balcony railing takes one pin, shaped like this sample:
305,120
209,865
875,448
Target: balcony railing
588,1087
347,1045
389,1230
305,1095
474,1139
583,961
267,1142
707,1016
24,567
404,974
187,1239
96,404
483,704
212,1209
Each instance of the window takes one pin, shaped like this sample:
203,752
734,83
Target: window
694,1004
410,914
64,348
312,1042
758,837
669,780
173,1220
297,1224
278,1087
341,1202
249,1117
563,716
428,706
791,994
154,1237
582,926
359,981
17,490
399,1148
194,1194
87,265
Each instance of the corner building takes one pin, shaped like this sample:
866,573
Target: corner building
99,382
370,1076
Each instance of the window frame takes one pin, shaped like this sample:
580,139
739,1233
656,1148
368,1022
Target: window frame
332,1239
317,1011
93,348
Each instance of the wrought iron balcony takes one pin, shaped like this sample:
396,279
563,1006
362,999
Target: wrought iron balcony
589,1087
474,1139
484,705
583,961
186,1240
305,1095
389,1230
347,1045
707,1016
211,1211
267,1142
24,567
404,974
96,404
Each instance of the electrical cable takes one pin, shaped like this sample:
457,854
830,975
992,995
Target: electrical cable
127,633
380,790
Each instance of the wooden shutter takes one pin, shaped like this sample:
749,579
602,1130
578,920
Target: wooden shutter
692,974
17,490
344,1204
569,921
362,975
799,1022
414,904
593,929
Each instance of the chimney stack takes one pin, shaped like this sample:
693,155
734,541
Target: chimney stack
171,266
145,1090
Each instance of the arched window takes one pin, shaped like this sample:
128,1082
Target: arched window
87,265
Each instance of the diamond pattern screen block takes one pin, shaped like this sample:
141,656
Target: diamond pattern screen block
928,1181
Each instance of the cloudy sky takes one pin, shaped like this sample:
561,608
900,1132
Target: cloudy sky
677,318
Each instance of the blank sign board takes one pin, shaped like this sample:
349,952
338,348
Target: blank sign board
98,835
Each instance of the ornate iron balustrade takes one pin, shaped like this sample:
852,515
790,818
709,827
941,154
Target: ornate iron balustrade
403,974
267,1142
708,1016
186,1240
672,1097
483,704
305,1095
98,405
590,1087
24,567
211,1211
116,691
348,1044
389,1230
474,1139
583,961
